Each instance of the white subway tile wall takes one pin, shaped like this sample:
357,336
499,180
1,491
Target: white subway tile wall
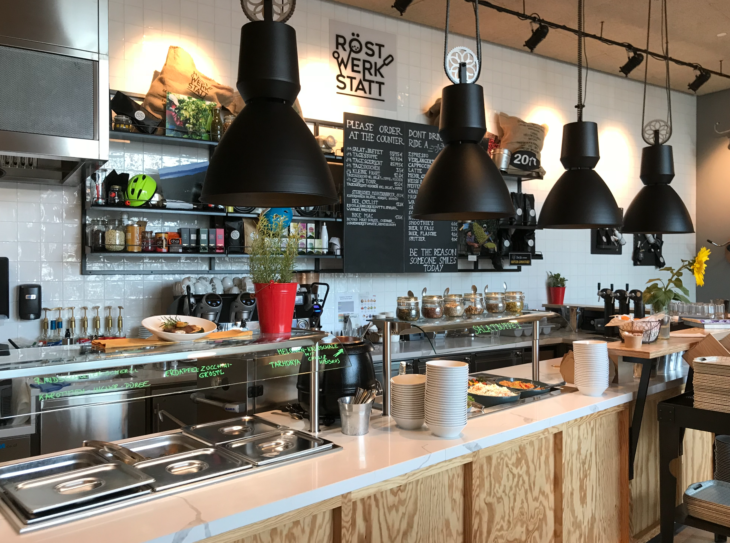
40,226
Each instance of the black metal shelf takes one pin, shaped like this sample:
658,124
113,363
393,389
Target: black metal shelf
143,210
88,252
115,135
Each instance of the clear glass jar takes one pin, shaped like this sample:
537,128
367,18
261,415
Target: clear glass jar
453,305
432,306
473,304
114,237
495,303
407,309
149,244
514,302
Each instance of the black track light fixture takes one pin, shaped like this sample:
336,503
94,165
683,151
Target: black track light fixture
268,157
703,76
657,208
401,6
463,183
580,198
632,63
538,34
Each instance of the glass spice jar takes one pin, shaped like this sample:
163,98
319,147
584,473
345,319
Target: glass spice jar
407,308
432,306
123,123
161,242
114,238
98,231
495,303
514,302
134,238
149,245
473,304
453,305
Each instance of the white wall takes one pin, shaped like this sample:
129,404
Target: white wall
40,232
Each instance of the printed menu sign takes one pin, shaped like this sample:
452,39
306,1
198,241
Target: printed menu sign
385,162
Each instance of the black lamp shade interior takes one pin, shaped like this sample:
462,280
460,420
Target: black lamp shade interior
463,183
268,156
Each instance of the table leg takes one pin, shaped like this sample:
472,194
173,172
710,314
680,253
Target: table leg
668,451
638,413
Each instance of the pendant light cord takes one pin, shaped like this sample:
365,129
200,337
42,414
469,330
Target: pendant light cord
581,46
664,25
478,38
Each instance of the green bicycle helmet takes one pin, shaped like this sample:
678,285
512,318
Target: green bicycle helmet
140,190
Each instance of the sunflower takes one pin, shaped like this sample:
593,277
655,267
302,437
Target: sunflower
699,265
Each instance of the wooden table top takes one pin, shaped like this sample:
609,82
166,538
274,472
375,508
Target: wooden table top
660,347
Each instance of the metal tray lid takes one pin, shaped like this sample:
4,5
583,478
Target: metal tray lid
190,467
225,431
55,491
277,447
711,492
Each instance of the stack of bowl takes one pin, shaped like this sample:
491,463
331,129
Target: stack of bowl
591,366
408,393
446,384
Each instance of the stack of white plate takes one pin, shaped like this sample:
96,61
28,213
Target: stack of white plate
722,458
408,394
591,366
446,384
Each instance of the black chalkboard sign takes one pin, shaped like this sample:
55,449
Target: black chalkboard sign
385,162
374,196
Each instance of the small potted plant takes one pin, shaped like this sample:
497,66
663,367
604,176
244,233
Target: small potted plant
556,288
273,254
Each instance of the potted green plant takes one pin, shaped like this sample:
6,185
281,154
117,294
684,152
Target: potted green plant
273,254
556,288
658,294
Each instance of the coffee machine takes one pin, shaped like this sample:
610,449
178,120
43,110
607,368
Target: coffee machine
308,305
226,310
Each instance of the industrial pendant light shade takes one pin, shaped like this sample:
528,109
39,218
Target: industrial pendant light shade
580,198
268,157
657,208
463,183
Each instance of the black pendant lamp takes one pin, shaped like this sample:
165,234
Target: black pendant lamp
657,208
463,183
580,198
268,156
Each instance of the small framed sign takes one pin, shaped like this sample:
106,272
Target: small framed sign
520,259
525,160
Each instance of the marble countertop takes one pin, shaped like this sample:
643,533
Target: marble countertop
385,452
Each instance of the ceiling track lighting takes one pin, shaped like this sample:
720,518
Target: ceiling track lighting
580,198
657,208
463,183
268,156
538,34
703,77
632,63
401,6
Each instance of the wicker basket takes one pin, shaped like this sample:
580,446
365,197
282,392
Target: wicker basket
650,329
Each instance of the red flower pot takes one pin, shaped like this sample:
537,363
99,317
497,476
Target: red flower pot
556,295
275,305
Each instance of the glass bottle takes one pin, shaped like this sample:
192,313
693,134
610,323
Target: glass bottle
216,125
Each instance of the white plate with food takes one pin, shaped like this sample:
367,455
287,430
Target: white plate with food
179,328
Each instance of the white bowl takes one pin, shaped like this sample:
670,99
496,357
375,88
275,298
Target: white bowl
592,390
447,364
409,424
410,379
154,325
448,432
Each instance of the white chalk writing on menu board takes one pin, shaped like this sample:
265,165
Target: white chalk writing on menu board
385,162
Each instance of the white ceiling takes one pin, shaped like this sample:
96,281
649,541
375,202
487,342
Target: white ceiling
694,26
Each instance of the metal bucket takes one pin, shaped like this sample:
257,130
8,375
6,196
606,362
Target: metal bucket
355,417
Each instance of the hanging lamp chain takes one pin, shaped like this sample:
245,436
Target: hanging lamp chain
462,72
657,131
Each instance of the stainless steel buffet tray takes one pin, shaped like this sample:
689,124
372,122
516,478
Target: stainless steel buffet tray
277,447
225,431
164,445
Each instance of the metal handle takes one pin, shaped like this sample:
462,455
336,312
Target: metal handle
117,451
238,407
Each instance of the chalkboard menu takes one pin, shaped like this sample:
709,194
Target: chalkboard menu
385,162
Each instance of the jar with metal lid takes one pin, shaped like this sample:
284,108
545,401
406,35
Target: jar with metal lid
123,123
115,196
432,306
453,305
161,240
97,236
494,302
514,302
134,238
114,237
407,309
473,304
